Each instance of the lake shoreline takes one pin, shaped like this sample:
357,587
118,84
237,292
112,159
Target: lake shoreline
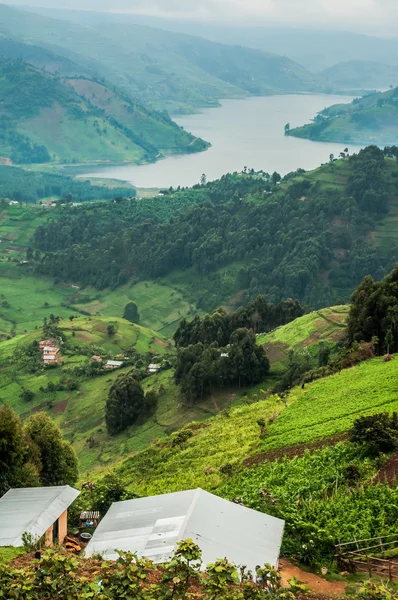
242,132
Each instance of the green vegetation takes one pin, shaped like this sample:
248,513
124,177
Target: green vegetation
45,118
127,403
28,186
34,454
298,239
368,120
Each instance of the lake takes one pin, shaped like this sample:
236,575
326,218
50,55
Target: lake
242,133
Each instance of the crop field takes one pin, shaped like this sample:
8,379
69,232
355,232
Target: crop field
326,326
329,406
159,306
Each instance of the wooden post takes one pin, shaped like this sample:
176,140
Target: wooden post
62,527
49,536
389,570
369,567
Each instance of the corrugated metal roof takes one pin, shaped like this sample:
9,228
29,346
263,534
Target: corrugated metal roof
152,527
32,510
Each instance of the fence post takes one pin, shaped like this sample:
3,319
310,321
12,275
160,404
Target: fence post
369,567
389,570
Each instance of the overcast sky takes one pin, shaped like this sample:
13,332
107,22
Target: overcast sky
357,15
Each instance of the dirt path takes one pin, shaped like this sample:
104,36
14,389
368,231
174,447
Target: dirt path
215,403
315,582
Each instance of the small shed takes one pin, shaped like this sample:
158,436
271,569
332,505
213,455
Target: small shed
38,511
153,368
113,364
152,526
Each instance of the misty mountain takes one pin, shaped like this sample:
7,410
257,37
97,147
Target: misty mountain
315,49
161,68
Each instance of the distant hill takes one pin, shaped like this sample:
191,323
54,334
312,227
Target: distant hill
47,118
361,74
42,58
161,68
372,119
315,48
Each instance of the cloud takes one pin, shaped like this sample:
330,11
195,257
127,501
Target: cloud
339,13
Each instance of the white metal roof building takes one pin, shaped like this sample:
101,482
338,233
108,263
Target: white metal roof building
32,510
152,526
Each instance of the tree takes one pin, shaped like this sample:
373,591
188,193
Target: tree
376,432
111,329
276,178
13,450
287,128
131,313
57,458
27,395
203,179
126,403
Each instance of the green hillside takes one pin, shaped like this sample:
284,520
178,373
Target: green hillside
308,333
361,74
160,68
308,416
368,120
45,118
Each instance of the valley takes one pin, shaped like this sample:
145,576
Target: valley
198,309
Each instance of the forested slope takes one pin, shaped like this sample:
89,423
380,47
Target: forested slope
303,240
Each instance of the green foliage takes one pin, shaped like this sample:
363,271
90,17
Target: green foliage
378,433
100,496
126,403
318,499
201,369
374,312
218,327
220,575
131,313
17,461
251,255
375,591
56,457
28,186
30,542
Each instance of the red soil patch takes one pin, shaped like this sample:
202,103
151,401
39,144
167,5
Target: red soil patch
316,583
60,407
389,473
293,451
275,351
199,426
159,342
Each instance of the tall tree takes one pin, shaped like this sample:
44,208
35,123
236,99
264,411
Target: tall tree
57,457
126,403
131,313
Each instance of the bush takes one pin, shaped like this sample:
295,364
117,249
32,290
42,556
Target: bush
377,433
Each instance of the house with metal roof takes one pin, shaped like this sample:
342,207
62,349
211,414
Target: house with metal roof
152,526
37,511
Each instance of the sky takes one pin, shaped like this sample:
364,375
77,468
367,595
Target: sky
357,15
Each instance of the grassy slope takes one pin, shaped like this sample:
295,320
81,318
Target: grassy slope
324,408
324,326
372,120
64,118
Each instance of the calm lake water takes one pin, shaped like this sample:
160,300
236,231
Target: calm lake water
242,133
